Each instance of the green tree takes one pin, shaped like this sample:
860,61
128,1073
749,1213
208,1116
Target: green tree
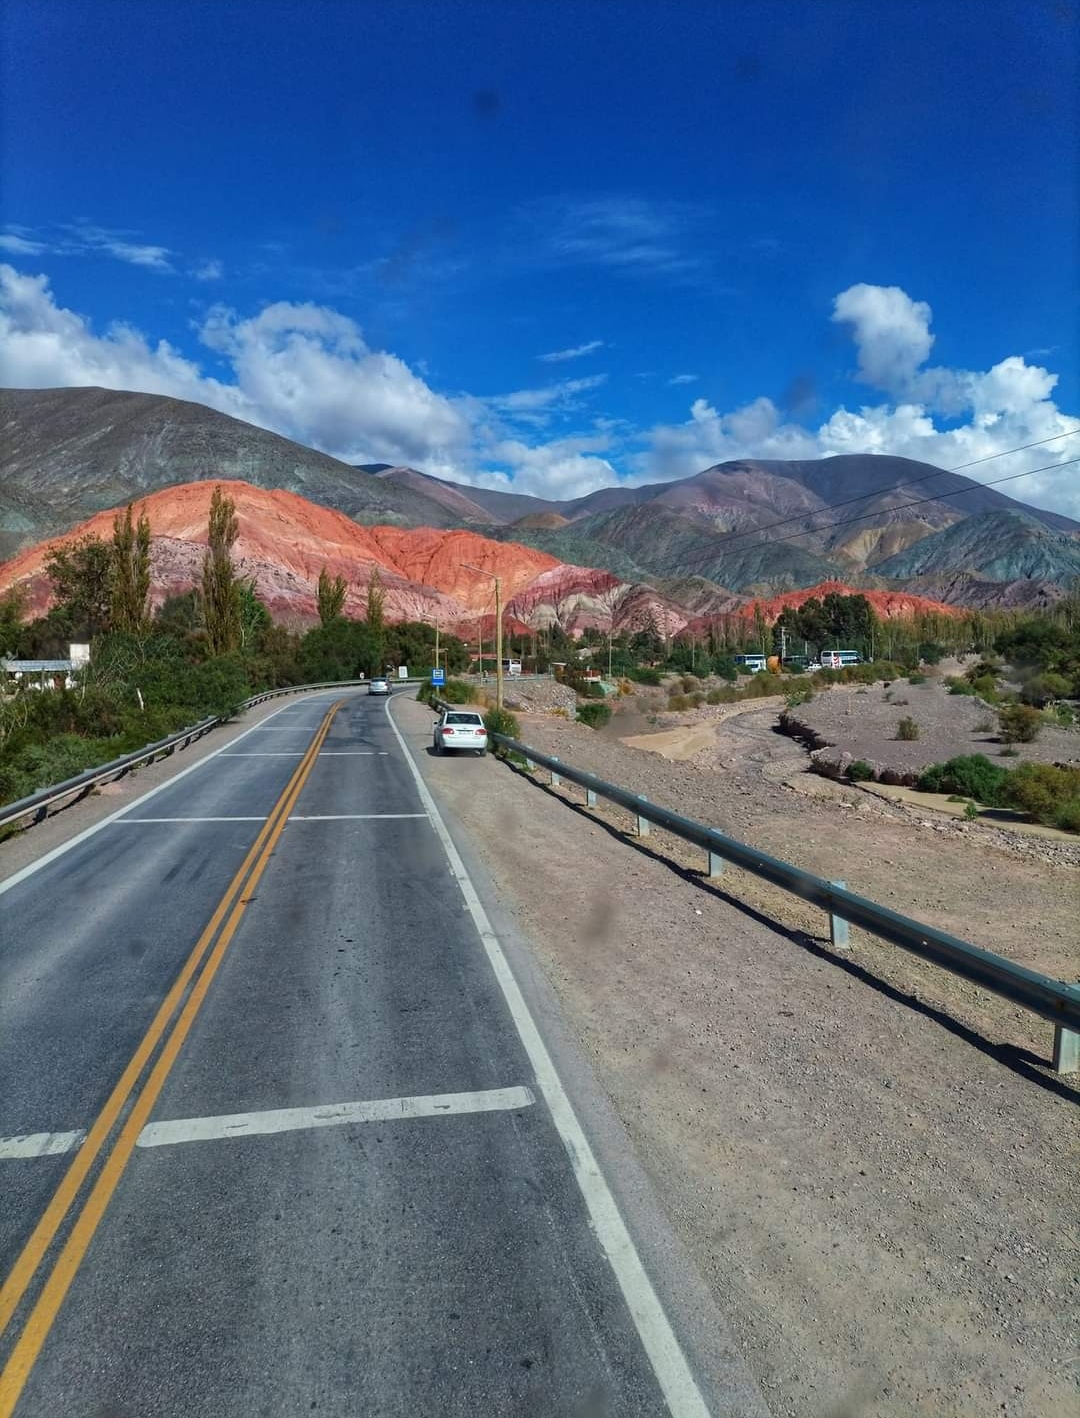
81,575
12,611
129,572
221,601
254,617
375,620
331,596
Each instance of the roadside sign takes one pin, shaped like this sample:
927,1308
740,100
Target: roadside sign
403,672
438,676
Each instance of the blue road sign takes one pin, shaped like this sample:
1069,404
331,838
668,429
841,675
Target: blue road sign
438,676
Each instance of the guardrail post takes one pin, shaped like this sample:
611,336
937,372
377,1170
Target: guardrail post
643,823
838,927
1066,1050
556,780
716,865
530,765
590,797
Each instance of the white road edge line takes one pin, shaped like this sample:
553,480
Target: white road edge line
41,1144
670,1365
16,877
381,1110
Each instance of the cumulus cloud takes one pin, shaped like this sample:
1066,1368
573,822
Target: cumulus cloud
945,417
209,271
558,356
301,370
561,469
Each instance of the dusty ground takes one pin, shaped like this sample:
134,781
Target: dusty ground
869,1161
861,722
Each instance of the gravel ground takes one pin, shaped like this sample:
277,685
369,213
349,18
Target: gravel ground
869,1160
849,722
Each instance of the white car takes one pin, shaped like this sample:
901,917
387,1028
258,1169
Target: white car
458,729
378,685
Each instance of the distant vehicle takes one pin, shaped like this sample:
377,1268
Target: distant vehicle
459,729
378,685
750,664
511,667
838,659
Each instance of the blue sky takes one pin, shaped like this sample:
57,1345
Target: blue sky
747,229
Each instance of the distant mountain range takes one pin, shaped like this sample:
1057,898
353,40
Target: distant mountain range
746,528
285,541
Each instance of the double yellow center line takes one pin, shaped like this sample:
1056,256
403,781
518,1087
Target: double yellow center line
219,932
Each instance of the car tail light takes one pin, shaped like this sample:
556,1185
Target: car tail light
447,731
482,733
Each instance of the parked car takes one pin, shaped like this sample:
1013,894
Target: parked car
460,728
378,685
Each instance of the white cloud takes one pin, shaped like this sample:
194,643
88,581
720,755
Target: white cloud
116,244
683,379
558,356
562,393
300,370
18,245
891,333
944,417
305,371
625,234
209,271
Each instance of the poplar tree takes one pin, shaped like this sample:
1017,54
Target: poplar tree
331,596
220,588
129,572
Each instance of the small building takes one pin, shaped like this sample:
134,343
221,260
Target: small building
47,674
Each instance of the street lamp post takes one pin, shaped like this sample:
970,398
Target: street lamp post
498,629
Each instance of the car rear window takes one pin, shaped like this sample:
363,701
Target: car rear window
464,719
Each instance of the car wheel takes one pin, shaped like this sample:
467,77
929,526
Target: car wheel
482,752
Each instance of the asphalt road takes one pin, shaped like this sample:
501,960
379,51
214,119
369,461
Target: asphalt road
332,1171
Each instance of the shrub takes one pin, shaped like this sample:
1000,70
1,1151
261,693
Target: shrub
971,812
596,715
645,676
798,696
1068,816
860,771
1045,792
724,667
970,776
985,686
907,729
690,683
984,726
500,721
456,691
916,679
725,695
960,686
677,703
1020,723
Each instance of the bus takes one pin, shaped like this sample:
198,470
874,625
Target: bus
511,667
838,659
750,664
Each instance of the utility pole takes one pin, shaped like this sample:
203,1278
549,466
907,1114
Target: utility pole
498,628
609,654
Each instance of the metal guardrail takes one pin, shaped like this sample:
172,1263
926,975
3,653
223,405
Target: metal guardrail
36,805
1052,999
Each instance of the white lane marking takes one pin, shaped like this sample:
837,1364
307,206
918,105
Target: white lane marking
41,1144
247,754
16,877
355,816
677,1383
123,820
381,1110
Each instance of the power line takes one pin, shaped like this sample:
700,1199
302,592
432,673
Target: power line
909,482
917,501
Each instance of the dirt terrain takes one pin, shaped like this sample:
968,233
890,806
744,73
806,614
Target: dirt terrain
869,1160
851,722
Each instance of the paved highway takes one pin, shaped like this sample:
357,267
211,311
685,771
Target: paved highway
278,1133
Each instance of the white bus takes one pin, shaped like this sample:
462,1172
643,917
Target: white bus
838,659
750,664
511,667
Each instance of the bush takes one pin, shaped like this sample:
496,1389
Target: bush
860,771
596,715
1045,792
720,696
916,679
645,676
500,721
798,696
456,691
677,703
971,812
907,729
1020,723
960,686
970,776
